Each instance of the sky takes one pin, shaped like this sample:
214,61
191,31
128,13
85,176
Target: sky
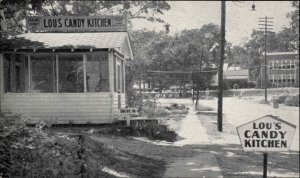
240,19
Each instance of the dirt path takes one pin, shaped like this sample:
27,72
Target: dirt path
192,130
203,163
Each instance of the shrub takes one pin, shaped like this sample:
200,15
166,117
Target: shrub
34,152
159,112
292,100
134,99
281,99
152,130
151,109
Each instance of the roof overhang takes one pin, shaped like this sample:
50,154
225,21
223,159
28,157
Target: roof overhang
69,42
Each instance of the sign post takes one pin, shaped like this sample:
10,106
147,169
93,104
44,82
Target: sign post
266,134
265,165
127,113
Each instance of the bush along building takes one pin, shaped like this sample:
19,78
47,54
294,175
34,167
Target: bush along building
67,69
283,69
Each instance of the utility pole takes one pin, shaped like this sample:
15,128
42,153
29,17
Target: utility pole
266,24
193,80
221,62
199,77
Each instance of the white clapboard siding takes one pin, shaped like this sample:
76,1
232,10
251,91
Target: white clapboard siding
123,103
61,107
123,100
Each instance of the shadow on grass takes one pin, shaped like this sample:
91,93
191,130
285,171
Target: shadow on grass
236,163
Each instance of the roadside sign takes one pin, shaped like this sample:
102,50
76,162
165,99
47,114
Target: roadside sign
266,134
129,111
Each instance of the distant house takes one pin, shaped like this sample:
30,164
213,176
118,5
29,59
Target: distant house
283,68
242,74
232,75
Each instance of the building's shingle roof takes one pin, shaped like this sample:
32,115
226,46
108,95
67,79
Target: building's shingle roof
70,40
90,40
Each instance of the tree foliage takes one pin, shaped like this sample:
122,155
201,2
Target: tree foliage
294,23
195,49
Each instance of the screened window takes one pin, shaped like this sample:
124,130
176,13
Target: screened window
43,69
51,73
118,75
123,77
71,77
97,75
16,73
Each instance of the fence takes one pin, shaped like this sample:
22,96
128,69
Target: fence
226,93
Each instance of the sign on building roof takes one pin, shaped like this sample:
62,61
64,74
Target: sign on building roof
76,23
266,134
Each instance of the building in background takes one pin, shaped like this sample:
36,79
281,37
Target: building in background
234,75
283,68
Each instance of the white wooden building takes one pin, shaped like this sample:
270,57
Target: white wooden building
65,77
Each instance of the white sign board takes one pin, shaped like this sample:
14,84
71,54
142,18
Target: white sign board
129,111
266,134
75,23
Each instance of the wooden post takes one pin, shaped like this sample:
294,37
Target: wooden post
140,83
29,73
84,72
124,79
193,78
221,62
265,166
13,73
198,90
1,79
111,71
57,73
54,73
199,77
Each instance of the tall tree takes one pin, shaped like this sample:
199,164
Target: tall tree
294,23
